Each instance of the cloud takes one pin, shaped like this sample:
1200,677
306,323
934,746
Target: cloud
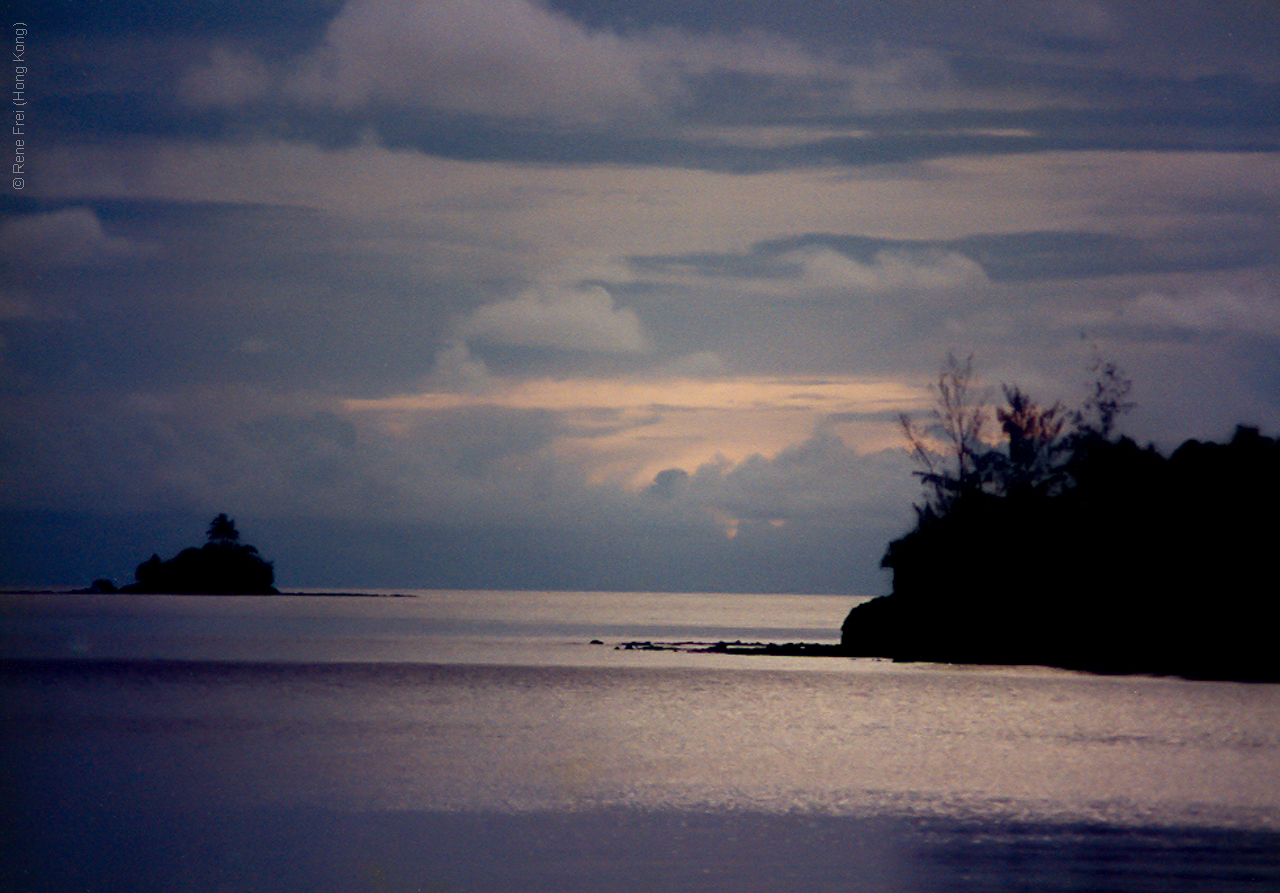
799,267
795,483
667,483
522,61
585,319
228,77
626,429
517,59
1254,313
888,270
817,487
910,79
702,364
1065,20
508,58
70,237
455,368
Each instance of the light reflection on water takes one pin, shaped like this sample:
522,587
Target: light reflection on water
498,700
497,704
427,627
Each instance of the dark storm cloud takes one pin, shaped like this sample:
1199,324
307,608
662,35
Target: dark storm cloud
1011,257
1140,34
1250,123
1044,81
622,293
112,69
283,20
894,140
137,293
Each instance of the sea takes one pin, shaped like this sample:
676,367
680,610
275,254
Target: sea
512,741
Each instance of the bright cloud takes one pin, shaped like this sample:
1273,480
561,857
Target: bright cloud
457,369
628,429
887,270
566,319
521,59
1218,312
498,57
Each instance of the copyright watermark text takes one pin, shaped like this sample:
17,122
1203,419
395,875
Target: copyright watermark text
18,58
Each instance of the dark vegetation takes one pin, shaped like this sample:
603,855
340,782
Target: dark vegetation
1063,544
223,565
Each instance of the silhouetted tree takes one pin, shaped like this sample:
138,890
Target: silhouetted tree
958,421
1107,401
223,530
222,565
150,574
1037,450
1062,544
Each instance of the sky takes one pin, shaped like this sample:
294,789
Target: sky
623,294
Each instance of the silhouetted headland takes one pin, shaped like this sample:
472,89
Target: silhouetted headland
1066,546
222,566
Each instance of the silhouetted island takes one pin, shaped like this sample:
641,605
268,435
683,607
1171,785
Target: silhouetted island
222,566
1067,546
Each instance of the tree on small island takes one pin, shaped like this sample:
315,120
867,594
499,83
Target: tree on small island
1062,544
223,565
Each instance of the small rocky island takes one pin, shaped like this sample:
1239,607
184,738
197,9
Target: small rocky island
1060,544
222,566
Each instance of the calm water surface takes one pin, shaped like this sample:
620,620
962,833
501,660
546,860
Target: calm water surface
480,741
